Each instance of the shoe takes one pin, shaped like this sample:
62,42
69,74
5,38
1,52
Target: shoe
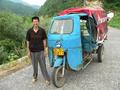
47,82
34,80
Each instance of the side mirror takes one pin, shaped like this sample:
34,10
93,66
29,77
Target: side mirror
110,15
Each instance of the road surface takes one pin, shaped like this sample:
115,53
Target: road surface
97,76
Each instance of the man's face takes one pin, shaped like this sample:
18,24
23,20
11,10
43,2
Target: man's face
35,22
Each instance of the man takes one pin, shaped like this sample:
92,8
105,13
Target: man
36,44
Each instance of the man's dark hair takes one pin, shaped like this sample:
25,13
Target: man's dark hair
35,17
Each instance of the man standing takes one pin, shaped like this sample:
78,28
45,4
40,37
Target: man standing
36,44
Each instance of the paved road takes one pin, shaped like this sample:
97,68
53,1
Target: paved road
97,76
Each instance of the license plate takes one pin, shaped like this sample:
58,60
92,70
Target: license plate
58,51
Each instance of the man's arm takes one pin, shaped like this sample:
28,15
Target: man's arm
44,39
27,41
45,43
45,47
28,51
28,46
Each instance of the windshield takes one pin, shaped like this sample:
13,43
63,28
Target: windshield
62,26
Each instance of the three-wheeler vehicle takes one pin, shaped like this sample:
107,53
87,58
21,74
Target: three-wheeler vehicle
74,35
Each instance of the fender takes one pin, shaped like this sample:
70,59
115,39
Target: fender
58,62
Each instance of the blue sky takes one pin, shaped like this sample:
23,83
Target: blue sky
35,2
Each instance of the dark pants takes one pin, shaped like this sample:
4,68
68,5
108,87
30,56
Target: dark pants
39,57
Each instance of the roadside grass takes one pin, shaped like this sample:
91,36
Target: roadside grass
115,21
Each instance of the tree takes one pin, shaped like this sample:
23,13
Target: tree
11,27
12,35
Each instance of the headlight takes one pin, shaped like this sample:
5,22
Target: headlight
58,44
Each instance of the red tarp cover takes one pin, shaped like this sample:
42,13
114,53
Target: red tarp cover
87,10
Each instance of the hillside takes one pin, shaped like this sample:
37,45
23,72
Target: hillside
24,3
17,8
52,7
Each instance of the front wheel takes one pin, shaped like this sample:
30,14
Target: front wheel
100,53
58,78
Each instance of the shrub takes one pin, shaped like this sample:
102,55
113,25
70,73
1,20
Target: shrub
3,55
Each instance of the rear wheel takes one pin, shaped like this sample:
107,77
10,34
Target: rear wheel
58,78
100,53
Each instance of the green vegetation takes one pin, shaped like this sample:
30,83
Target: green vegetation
115,22
114,6
17,8
14,21
52,7
12,36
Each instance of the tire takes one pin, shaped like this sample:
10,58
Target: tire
58,81
100,53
